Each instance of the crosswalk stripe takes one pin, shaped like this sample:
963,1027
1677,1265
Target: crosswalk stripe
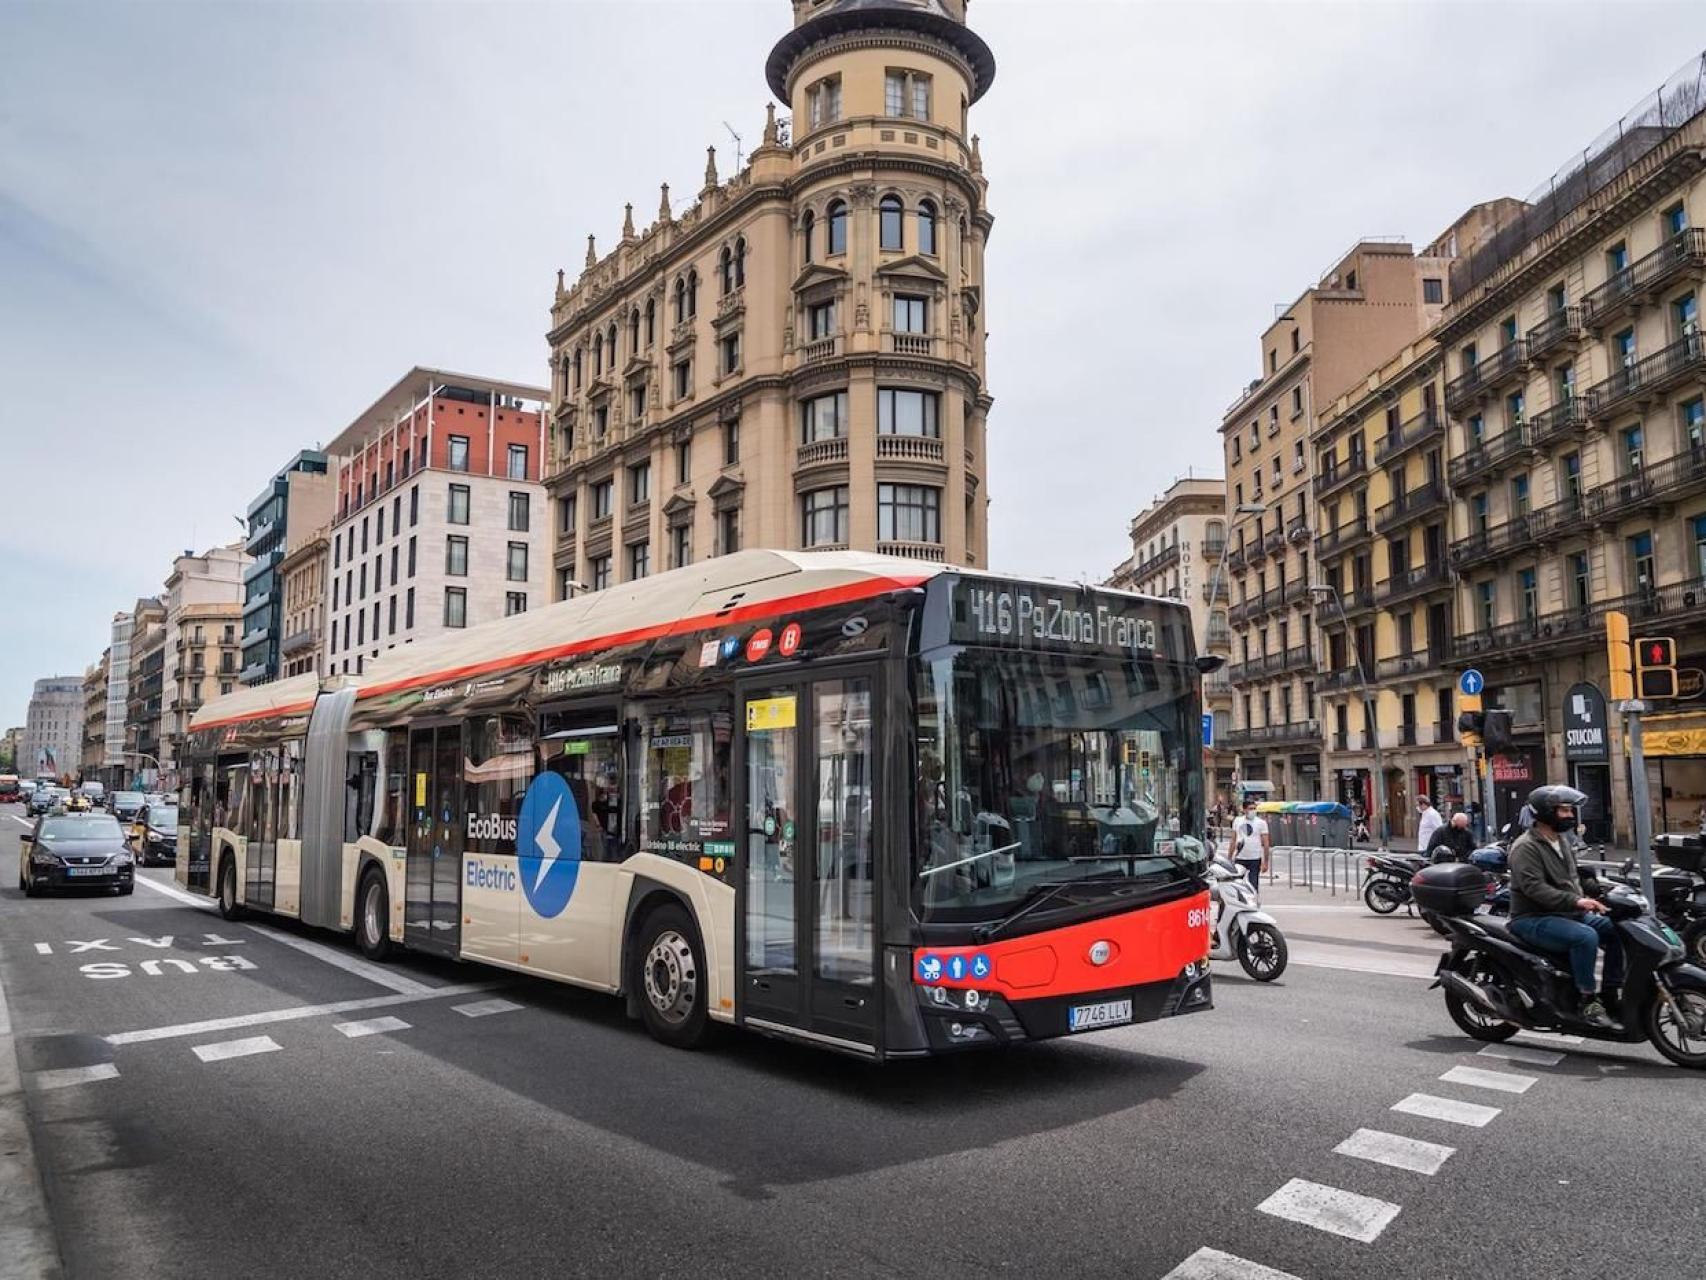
1396,1151
1339,1213
1471,1114
235,1048
1212,1264
1552,1037
1503,1081
481,1008
65,1077
1516,1053
371,1027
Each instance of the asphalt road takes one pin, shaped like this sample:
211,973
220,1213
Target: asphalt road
502,1127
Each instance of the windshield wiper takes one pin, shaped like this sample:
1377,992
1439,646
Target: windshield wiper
1043,893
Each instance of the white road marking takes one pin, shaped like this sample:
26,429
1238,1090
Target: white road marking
376,974
28,822
44,948
1396,1151
1212,1264
293,1014
65,1077
372,1027
1472,1114
480,1008
1391,964
1503,1081
1516,1053
236,1048
1340,1213
1551,1037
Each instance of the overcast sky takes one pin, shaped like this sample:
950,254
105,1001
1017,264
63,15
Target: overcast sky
226,227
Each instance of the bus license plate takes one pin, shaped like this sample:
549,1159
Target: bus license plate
1084,1017
85,871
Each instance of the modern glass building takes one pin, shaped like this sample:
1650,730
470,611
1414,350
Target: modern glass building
263,598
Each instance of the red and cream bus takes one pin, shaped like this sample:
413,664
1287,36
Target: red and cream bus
880,806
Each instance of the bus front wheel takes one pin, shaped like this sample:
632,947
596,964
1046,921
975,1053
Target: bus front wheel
372,917
229,907
667,973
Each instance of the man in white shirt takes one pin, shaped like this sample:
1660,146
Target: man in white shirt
1428,821
1251,845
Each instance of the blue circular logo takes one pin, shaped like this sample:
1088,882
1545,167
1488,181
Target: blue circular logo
548,845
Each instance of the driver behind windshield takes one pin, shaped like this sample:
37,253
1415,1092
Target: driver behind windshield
1550,908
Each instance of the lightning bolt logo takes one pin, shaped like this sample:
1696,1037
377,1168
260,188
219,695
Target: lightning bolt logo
548,845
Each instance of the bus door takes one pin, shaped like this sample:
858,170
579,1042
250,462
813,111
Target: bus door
433,871
261,857
807,894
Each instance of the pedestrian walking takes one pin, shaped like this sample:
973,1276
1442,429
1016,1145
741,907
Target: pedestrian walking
1251,844
1428,821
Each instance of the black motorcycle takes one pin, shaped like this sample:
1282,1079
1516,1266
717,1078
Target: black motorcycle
1496,984
1680,892
1386,887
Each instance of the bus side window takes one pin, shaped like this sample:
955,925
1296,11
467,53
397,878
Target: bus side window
394,813
361,777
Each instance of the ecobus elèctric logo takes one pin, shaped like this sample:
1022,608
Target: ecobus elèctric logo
548,845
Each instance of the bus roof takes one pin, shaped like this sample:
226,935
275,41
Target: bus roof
291,696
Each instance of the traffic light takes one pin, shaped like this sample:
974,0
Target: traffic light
1655,667
1496,731
1622,682
1469,727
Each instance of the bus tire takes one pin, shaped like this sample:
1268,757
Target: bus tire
229,907
667,974
372,916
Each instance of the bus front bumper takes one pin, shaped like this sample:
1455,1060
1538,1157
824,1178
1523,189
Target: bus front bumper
963,1018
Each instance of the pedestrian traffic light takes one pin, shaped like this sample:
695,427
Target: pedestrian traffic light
1622,682
1496,731
1655,667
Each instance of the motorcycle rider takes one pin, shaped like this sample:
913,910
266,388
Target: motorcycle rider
1550,908
1453,842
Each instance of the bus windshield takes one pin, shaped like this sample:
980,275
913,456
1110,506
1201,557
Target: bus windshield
1040,769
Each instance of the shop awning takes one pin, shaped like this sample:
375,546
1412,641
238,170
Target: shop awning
1675,735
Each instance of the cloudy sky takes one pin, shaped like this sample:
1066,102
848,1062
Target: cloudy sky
225,227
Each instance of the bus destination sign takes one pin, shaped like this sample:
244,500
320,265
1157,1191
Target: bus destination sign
1036,617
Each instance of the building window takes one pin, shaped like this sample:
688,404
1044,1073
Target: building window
639,484
823,417
639,560
603,499
458,511
823,101
927,228
680,300
731,442
1623,349
637,403
651,322
683,373
394,551
1694,424
518,462
414,506
820,321
808,225
364,535
837,231
379,525
1433,290
1616,258
728,531
1675,219
1685,313
514,602
335,585
455,607
1580,589
1633,452
1486,604
683,460
1478,512
1519,496
458,453
362,579
519,515
409,609
909,513
456,557
1528,585
911,314
600,421
565,584
411,557
890,213
391,616
634,329
516,566
726,271
729,347
1641,561
600,573
337,552
824,520
692,294
907,413
680,546
566,514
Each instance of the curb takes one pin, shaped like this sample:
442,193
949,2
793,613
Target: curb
27,1247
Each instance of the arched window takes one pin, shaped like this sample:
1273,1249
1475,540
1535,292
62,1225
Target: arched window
927,228
837,240
725,271
651,321
808,225
577,368
692,293
740,263
889,213
597,354
680,300
634,330
610,344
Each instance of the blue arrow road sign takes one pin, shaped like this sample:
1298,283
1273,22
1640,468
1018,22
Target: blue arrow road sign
1208,731
1471,682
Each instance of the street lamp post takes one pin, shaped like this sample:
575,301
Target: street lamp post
159,768
1371,716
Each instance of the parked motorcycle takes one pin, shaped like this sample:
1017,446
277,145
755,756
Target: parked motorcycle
1241,928
1387,884
1496,984
1679,884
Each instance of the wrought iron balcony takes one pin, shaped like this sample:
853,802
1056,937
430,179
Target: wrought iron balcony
1273,541
1527,634
1213,547
1486,374
1683,252
1256,551
1297,531
1219,591
1424,426
1357,600
1562,326
1551,425
1490,456
1410,505
1344,537
1424,577
1567,516
1413,663
1340,680
1660,482
1647,378
1299,657
1236,560
1165,558
1298,731
1218,637
1340,472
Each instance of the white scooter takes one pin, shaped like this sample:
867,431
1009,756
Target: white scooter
1241,928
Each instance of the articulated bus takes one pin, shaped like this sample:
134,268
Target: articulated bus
881,806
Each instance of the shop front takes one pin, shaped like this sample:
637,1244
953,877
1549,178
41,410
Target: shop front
1515,774
1675,748
1306,770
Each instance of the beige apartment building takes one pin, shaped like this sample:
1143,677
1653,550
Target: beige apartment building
209,647
1576,395
95,717
215,577
305,585
797,359
1178,545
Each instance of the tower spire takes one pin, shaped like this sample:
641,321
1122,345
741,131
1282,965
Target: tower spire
710,168
591,251
663,204
628,221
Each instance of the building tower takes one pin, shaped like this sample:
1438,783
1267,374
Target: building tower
797,359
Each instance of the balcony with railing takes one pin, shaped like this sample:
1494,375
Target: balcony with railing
1357,600
1661,482
1409,506
1485,375
1415,581
913,550
1300,657
1237,560
1218,636
1340,680
820,349
1414,663
1643,379
1490,456
1682,253
1213,548
1423,427
1561,327
1569,515
821,453
1340,472
1298,731
1553,424
911,344
1347,535
1165,558
1273,542
1218,591
1256,551
1297,531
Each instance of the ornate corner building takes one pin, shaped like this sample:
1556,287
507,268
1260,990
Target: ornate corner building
797,359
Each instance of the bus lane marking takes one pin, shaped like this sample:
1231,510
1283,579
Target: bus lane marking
1212,1264
1339,1213
65,1077
371,1027
236,1048
295,1013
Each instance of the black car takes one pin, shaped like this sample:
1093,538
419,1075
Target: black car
154,834
124,805
75,851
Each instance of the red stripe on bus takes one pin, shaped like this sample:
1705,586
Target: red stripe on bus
291,710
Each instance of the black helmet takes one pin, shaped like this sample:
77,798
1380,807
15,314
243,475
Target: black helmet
1545,801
